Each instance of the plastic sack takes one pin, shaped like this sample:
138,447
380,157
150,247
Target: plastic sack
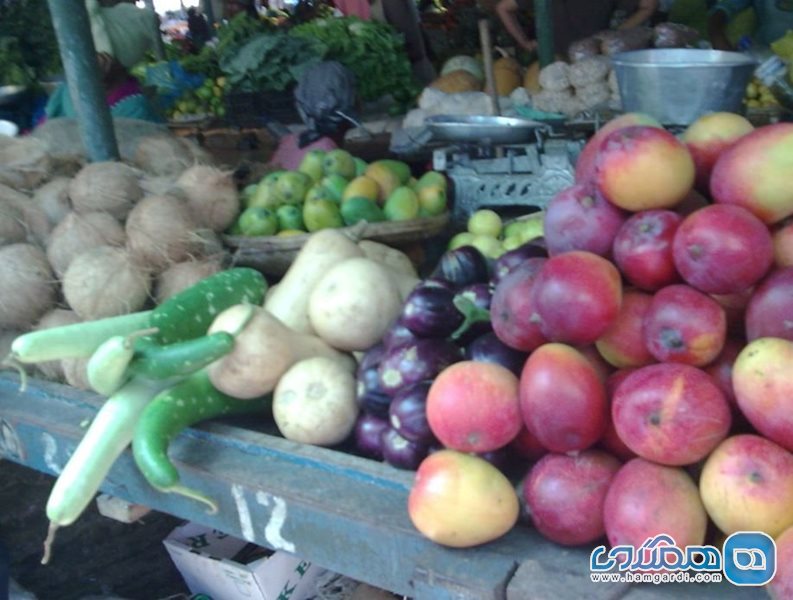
674,35
325,97
589,71
170,81
636,38
555,77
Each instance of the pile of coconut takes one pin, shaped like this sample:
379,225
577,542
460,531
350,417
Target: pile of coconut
113,238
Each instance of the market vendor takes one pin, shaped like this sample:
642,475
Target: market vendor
774,18
123,94
574,20
325,97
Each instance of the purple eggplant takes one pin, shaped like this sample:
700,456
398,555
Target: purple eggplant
429,311
473,301
401,453
488,348
370,395
372,357
462,266
397,336
408,413
507,262
369,435
416,362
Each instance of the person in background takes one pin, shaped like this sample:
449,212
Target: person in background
774,19
123,30
198,27
325,97
574,20
123,93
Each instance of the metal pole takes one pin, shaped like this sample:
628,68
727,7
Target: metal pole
543,24
209,12
73,30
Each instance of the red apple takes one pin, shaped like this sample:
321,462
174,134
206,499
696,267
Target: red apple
585,165
460,500
783,244
670,414
622,344
643,249
722,249
755,173
474,407
781,586
734,306
602,368
576,296
746,485
611,441
512,307
721,369
762,379
565,495
770,309
646,499
708,137
684,325
641,167
579,218
562,399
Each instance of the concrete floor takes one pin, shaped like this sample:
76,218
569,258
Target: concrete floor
96,557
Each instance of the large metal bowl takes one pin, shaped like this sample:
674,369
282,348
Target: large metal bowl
678,85
482,130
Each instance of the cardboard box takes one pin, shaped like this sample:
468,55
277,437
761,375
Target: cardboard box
213,563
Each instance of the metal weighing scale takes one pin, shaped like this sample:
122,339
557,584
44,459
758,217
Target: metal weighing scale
502,161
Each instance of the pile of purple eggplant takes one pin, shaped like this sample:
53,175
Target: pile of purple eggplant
445,319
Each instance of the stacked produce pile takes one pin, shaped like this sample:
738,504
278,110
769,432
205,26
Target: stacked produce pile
107,239
646,358
337,189
758,95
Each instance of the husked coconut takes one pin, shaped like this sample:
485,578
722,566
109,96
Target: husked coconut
161,231
212,196
57,317
110,187
77,233
167,155
27,286
181,276
53,199
36,222
12,225
24,162
105,282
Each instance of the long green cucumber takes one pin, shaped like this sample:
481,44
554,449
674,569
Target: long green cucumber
188,314
79,340
109,367
105,439
192,400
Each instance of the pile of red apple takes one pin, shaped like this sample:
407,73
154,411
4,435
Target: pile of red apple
659,384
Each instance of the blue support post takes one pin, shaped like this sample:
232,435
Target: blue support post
78,54
543,24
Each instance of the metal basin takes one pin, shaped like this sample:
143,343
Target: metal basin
678,85
482,130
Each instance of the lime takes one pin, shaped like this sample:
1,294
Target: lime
289,217
488,245
256,220
463,238
485,222
321,214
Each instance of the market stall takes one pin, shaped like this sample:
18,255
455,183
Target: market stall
491,361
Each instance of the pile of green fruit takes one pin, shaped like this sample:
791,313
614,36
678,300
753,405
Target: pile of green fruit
486,231
333,189
205,100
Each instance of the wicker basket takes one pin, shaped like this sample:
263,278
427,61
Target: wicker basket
272,255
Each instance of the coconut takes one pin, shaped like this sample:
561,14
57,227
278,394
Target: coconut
110,187
161,231
24,162
77,233
105,282
53,199
165,155
57,317
12,224
27,286
181,276
212,196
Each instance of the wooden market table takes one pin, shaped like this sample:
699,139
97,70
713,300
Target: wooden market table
345,513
